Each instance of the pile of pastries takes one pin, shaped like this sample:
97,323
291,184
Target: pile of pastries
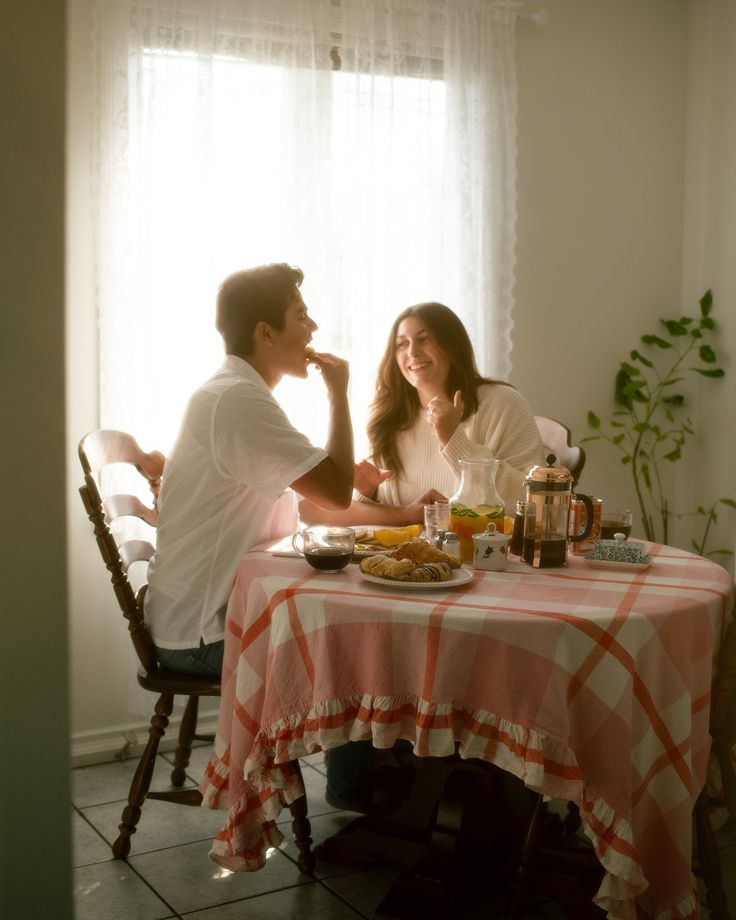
414,560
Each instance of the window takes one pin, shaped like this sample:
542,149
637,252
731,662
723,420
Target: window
355,148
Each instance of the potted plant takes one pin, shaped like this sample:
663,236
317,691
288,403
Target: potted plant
650,426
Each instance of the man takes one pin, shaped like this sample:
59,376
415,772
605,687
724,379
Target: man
226,482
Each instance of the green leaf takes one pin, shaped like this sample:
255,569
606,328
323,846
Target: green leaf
668,415
639,397
707,354
645,474
686,320
617,425
655,340
715,372
673,455
677,399
671,381
707,323
720,552
630,369
706,303
618,439
593,420
642,426
696,333
626,460
728,501
674,327
637,356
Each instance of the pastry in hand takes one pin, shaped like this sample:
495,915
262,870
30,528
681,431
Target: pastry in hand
419,551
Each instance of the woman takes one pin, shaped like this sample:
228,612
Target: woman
432,408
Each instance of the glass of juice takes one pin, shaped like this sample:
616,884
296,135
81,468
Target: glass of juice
613,522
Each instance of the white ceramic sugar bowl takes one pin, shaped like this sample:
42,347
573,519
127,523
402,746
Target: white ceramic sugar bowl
490,549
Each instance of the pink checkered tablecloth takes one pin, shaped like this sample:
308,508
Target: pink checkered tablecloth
590,685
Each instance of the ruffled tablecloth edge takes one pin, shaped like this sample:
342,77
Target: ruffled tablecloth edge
542,763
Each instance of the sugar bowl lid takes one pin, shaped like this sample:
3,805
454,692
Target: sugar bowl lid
550,477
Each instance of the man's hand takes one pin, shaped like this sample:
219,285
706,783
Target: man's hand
445,416
335,372
368,478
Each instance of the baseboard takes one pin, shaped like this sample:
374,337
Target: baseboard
128,740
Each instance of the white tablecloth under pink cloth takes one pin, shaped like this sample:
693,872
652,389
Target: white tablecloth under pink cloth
589,685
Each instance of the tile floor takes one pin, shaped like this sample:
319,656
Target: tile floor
168,873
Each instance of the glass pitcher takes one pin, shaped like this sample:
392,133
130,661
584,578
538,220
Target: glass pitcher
475,503
547,515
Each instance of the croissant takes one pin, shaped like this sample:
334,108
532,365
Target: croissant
386,567
420,552
431,571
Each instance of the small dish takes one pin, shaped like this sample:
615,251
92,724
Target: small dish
459,577
614,564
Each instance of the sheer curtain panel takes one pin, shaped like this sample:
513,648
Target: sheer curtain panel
372,144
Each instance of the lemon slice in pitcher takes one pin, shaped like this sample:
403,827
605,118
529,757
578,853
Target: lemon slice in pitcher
395,535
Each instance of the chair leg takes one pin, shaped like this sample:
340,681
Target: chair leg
301,828
184,746
142,779
528,852
710,861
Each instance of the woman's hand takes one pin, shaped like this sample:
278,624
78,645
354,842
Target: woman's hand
445,416
368,478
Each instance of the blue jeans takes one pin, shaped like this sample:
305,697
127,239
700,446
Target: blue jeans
205,660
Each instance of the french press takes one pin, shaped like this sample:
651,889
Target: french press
547,515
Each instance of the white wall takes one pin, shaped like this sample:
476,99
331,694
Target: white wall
602,92
601,185
709,258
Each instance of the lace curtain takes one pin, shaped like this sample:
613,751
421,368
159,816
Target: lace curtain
372,144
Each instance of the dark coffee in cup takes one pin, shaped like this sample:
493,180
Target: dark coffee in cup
327,559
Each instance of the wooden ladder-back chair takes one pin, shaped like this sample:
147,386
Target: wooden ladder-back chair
556,439
96,451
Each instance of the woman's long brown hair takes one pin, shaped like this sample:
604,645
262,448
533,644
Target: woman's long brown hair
396,403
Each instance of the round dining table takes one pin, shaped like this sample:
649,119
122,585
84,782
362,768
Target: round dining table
589,684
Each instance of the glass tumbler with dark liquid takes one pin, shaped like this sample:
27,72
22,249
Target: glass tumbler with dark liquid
613,522
327,549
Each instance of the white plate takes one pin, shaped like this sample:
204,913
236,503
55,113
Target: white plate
459,577
621,566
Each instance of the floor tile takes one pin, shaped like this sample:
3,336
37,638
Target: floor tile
365,890
162,824
309,901
87,845
323,827
188,880
110,782
113,891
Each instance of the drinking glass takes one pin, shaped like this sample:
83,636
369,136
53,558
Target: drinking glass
615,521
327,549
443,515
430,523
